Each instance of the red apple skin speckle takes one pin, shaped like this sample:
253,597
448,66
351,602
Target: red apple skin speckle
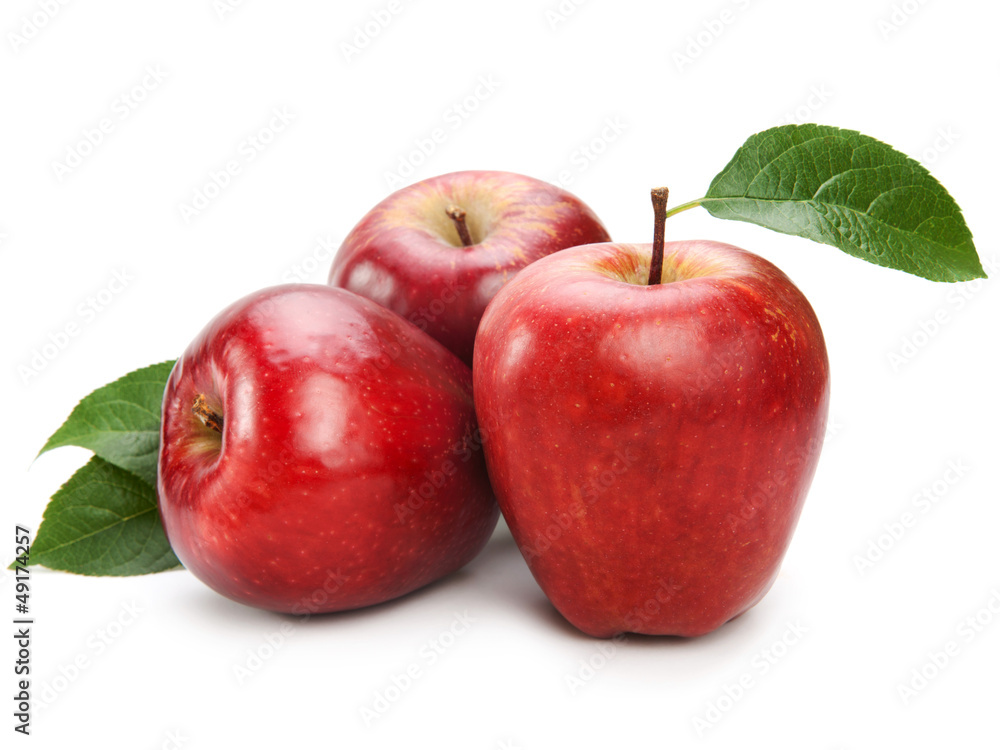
347,472
651,446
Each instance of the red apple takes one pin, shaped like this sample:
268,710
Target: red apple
318,453
437,251
651,446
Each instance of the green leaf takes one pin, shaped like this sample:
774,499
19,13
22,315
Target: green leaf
103,521
120,422
848,190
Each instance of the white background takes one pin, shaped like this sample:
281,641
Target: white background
922,79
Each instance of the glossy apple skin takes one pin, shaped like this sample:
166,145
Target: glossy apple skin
406,253
345,474
651,446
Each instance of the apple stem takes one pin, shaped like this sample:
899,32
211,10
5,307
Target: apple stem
457,215
659,196
208,417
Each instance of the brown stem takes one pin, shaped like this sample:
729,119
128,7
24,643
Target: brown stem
208,417
659,196
457,215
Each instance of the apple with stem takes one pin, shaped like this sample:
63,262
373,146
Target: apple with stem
437,251
652,418
319,453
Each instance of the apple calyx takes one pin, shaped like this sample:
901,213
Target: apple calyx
203,411
659,196
457,215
